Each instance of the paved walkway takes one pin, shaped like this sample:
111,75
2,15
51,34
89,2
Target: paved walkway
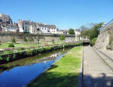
96,72
108,52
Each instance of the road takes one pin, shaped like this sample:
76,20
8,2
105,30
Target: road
96,72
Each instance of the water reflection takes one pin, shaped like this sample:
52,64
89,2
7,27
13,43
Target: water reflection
21,72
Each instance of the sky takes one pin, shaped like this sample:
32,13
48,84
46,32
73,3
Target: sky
63,13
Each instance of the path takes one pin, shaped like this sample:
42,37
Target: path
96,73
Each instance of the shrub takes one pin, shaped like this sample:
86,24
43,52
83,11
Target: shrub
14,56
62,37
31,39
93,41
47,48
8,58
11,45
29,52
0,42
53,41
1,58
13,40
25,39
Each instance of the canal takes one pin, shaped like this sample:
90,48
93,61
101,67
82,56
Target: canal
21,72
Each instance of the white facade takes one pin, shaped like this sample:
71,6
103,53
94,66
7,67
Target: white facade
77,35
51,29
11,28
24,26
34,28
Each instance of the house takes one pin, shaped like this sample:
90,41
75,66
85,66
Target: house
24,25
52,29
11,28
77,35
45,28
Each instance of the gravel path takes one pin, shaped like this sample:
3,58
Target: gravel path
96,72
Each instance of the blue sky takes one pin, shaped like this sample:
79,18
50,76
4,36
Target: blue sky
64,13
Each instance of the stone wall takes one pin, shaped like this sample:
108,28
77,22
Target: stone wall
105,39
20,37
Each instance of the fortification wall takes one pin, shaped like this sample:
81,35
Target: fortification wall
105,39
21,37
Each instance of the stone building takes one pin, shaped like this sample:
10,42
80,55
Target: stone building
6,24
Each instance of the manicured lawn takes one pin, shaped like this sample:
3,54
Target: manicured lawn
63,73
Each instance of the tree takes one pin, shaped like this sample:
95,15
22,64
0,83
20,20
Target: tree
71,31
91,32
62,37
95,30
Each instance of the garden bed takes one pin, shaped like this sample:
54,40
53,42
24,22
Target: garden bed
24,53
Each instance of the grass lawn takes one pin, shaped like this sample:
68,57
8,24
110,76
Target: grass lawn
63,73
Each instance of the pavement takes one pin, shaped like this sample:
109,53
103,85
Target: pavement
107,52
95,72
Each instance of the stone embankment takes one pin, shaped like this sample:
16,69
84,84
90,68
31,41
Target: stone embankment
21,37
105,39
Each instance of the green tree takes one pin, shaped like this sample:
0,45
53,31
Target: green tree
62,37
71,31
91,32
94,31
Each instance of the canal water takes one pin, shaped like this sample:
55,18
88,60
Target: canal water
21,72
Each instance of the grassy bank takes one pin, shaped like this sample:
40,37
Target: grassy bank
64,73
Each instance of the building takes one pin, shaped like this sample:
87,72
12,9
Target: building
50,29
6,24
35,28
12,28
5,20
24,25
77,35
27,26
